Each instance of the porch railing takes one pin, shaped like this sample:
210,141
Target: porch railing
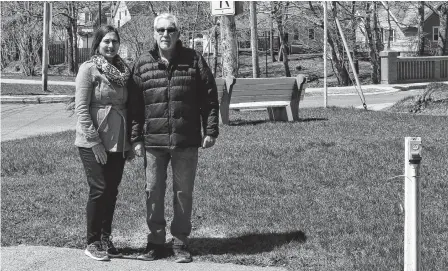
396,69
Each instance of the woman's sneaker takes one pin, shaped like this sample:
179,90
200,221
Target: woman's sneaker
96,251
110,248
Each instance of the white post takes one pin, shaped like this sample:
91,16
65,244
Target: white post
412,216
324,3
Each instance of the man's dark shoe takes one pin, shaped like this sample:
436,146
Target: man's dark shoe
152,252
182,254
112,252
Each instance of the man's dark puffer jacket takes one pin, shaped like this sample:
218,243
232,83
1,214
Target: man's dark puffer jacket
167,102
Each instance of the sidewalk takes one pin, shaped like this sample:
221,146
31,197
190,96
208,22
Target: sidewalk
41,258
331,91
368,89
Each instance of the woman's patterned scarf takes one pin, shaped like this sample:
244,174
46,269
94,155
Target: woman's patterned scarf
118,74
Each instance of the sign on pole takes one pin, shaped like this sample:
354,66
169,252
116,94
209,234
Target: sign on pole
223,7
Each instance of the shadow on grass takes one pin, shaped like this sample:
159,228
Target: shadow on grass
312,119
246,244
240,122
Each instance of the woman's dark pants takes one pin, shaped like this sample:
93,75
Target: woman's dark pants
103,181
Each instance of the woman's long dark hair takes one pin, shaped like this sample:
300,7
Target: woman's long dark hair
99,35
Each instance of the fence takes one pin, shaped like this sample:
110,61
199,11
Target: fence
396,69
57,54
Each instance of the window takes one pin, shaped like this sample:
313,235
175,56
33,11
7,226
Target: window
119,16
311,34
435,33
388,34
125,13
391,35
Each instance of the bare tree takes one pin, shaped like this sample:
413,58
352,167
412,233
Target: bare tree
22,30
421,21
137,35
278,11
65,18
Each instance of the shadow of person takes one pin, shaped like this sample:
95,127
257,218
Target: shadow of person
240,122
312,119
246,244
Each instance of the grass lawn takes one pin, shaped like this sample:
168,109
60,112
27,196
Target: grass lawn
318,194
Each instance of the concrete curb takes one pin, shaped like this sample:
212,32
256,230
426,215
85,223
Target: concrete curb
36,99
35,82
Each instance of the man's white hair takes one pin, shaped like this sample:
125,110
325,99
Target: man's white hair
167,16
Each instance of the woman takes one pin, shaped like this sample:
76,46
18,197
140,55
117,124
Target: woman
101,136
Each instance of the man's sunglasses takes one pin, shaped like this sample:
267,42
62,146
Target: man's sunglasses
170,30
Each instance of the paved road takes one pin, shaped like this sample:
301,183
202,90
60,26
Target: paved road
24,120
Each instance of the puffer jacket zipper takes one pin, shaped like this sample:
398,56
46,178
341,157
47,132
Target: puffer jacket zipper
169,73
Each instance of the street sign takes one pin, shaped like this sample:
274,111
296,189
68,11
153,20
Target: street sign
223,7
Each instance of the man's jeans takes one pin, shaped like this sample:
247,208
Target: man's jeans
184,163
103,181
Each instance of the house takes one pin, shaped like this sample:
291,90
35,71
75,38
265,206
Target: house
88,22
403,36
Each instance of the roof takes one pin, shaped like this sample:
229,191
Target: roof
406,15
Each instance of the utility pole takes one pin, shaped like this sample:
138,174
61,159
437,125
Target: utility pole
254,39
324,3
45,46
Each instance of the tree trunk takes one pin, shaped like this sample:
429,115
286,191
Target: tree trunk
421,35
374,63
378,44
74,22
215,55
254,39
271,36
229,52
336,55
282,50
354,27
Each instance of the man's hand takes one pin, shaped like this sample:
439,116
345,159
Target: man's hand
100,153
208,142
138,149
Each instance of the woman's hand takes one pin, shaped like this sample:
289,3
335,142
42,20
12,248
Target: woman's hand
138,149
100,153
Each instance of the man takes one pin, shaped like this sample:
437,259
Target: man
172,96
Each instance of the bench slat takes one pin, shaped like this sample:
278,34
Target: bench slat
260,98
259,104
262,81
262,87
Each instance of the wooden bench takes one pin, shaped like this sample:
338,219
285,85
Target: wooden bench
280,96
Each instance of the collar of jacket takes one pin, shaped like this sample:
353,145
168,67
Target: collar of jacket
156,54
